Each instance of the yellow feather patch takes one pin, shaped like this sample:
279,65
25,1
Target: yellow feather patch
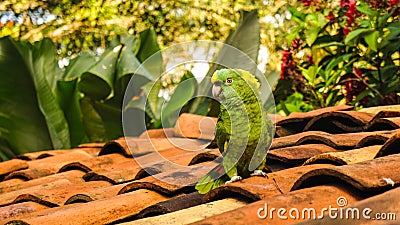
250,78
214,78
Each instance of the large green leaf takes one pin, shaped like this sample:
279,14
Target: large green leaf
92,121
68,96
356,33
245,38
150,50
98,81
78,66
182,94
30,117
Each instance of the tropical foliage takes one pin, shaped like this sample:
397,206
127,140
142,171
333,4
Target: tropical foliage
50,108
343,51
42,107
80,25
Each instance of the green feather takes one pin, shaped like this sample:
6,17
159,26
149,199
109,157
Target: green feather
243,131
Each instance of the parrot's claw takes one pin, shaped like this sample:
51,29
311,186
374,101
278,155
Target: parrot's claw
259,173
234,179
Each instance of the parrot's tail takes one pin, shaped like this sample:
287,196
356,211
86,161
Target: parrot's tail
213,179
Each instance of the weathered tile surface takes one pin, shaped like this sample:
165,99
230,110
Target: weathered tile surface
315,158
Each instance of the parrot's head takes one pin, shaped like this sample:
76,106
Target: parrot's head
230,83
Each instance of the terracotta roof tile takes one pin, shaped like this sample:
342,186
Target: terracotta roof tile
50,194
171,182
256,188
370,176
97,212
73,176
339,122
391,146
11,166
306,116
192,214
347,153
384,124
172,205
19,209
337,141
346,157
154,162
158,133
50,165
95,194
195,126
92,149
139,146
386,204
298,154
95,163
316,197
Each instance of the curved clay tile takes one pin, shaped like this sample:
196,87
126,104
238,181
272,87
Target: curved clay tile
257,187
259,212
391,123
10,166
337,122
387,203
50,194
132,146
95,194
370,176
20,209
195,126
172,205
105,211
345,157
391,146
171,182
297,155
74,176
158,133
50,165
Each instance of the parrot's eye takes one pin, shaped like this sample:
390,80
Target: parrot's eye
229,80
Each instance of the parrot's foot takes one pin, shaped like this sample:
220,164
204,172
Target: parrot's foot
259,173
234,179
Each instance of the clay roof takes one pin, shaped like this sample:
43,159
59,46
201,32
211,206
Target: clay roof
332,157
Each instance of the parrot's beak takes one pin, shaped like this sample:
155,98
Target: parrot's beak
217,91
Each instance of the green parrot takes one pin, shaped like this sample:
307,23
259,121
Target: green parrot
243,132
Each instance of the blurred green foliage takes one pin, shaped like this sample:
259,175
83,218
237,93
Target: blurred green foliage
79,25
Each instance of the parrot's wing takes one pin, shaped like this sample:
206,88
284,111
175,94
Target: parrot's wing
213,179
221,136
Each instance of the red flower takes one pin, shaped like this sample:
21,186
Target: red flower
330,16
306,2
352,8
309,59
296,43
287,63
346,31
393,2
358,72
